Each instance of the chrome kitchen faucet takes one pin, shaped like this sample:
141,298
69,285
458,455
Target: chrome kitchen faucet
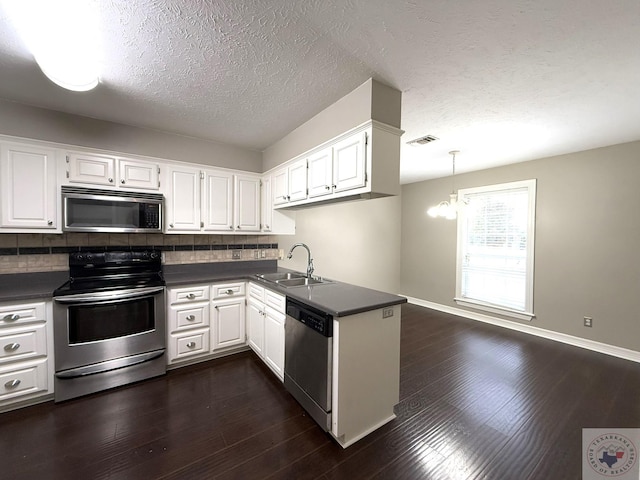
310,261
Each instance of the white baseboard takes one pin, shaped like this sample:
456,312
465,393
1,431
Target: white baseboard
599,347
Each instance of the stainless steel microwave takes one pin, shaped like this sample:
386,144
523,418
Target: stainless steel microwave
93,210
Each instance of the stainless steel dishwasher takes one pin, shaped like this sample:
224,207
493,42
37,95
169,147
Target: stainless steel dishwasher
308,360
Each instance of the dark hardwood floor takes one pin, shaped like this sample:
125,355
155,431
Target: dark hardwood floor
476,401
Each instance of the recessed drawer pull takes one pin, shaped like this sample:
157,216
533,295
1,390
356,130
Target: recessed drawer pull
12,383
11,347
191,345
191,318
191,296
12,317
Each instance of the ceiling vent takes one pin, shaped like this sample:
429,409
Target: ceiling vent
423,140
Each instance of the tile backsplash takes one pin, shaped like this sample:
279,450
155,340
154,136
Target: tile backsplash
32,252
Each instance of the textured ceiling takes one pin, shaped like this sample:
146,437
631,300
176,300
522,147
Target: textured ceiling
500,80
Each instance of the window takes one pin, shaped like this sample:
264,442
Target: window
495,248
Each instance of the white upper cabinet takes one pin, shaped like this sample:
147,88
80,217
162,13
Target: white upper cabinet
217,198
28,193
361,163
280,187
320,173
349,163
290,183
93,169
134,174
247,203
266,203
298,180
211,201
182,201
110,171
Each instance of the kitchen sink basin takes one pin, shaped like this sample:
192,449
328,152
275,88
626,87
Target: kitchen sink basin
279,276
299,282
291,279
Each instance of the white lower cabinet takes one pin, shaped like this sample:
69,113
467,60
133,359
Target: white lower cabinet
26,363
266,315
204,320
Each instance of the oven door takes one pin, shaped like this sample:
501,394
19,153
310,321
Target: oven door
96,328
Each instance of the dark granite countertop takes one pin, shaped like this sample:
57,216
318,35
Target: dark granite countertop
26,286
336,298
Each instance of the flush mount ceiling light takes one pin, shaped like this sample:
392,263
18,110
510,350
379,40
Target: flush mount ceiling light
447,209
63,37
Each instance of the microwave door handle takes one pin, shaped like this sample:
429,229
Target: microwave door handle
111,296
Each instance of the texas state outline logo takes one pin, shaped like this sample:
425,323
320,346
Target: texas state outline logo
610,453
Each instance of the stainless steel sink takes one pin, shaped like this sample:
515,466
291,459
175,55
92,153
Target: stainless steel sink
299,282
279,276
291,279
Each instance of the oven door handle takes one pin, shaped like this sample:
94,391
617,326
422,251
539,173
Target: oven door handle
110,365
109,296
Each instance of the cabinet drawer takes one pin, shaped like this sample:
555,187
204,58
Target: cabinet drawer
182,318
275,300
225,290
22,343
25,378
16,314
197,293
256,291
189,344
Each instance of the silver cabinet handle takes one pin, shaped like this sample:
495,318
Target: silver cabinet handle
191,296
216,307
50,222
11,347
171,225
122,181
111,180
191,345
12,317
327,187
191,318
231,227
229,292
238,227
12,383
284,197
267,226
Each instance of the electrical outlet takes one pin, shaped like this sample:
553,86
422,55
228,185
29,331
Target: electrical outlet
263,254
256,254
588,322
281,254
387,312
236,254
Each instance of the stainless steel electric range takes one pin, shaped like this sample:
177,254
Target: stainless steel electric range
109,322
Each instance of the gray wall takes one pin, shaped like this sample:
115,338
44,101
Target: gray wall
41,124
587,257
356,242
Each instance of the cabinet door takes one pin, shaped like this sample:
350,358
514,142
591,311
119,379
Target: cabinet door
28,181
320,173
217,199
255,325
183,200
298,180
139,174
94,169
266,219
274,341
228,323
247,211
280,186
349,163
